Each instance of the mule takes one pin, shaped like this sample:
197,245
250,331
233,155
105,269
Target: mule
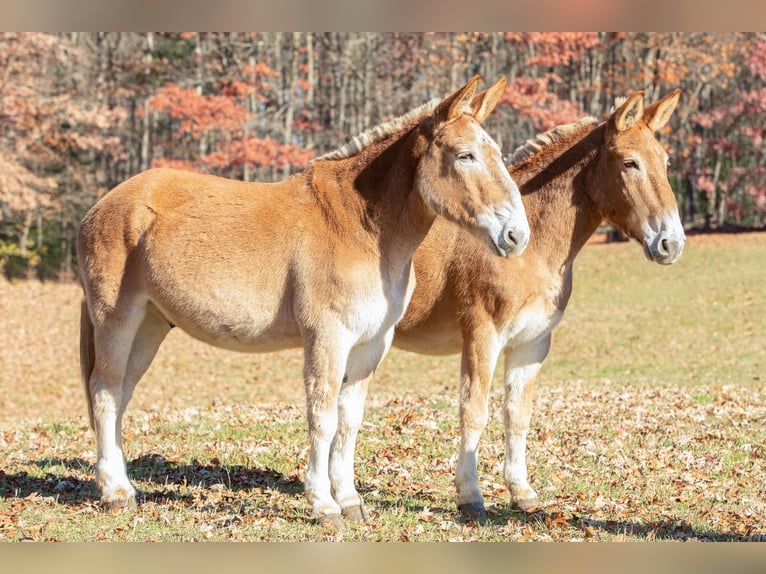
321,260
571,178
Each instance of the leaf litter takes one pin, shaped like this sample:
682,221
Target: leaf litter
217,445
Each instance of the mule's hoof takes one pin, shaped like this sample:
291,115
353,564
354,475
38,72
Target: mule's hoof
356,513
473,511
526,504
115,504
334,521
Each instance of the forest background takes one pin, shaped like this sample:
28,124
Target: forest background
81,112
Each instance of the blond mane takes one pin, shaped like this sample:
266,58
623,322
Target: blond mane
545,140
380,132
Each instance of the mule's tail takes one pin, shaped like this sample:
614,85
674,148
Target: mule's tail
87,355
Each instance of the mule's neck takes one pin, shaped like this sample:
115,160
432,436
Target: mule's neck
554,186
372,196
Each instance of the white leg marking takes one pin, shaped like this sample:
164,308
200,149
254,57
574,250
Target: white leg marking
324,367
361,365
521,368
477,367
323,420
112,348
467,474
350,415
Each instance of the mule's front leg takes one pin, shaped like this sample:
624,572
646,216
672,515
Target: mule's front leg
350,415
521,367
323,371
362,362
480,352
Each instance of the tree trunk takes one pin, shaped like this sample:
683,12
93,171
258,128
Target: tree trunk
292,80
146,123
203,140
368,93
310,143
24,235
720,203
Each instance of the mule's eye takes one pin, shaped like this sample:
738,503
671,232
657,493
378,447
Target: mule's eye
630,164
465,156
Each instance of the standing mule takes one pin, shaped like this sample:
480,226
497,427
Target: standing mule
321,260
571,178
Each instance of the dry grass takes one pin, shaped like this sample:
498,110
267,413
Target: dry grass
649,422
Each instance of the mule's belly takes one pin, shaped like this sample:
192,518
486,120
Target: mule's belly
431,344
236,328
246,319
446,337
438,335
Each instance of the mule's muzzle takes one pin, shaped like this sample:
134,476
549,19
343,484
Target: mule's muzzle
666,247
513,239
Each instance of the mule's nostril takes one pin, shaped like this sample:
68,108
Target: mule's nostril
664,246
510,237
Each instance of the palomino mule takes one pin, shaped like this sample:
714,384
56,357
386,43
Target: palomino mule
571,178
322,260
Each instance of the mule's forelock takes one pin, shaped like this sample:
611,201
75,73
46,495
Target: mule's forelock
380,132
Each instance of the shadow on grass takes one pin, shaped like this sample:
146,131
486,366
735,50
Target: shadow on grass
157,469
153,470
67,488
651,530
70,488
563,525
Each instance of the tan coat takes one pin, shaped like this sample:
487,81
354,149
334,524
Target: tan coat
322,260
468,301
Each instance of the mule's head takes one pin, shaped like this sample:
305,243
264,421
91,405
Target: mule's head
461,175
633,191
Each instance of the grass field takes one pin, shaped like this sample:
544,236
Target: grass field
649,422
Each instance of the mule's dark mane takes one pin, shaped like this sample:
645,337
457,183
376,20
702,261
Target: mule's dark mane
381,132
547,140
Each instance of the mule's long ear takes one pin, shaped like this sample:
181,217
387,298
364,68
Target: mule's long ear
456,104
628,113
658,114
484,102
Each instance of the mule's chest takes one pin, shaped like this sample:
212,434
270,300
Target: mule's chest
529,324
539,314
376,308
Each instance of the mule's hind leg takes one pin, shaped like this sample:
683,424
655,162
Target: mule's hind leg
360,367
146,343
150,334
113,340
